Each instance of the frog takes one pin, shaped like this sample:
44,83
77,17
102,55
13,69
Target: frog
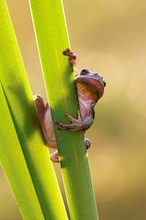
90,88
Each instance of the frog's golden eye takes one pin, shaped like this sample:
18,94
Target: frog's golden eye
96,74
84,72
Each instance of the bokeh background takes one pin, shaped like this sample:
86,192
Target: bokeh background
108,37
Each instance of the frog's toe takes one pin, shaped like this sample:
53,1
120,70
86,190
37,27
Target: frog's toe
71,56
69,127
60,126
87,143
37,96
55,157
70,117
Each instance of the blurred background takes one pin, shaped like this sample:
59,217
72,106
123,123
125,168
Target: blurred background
108,37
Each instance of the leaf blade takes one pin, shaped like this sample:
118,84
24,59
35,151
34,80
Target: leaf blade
62,97
15,167
21,106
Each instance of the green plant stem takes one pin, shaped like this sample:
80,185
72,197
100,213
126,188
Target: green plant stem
14,164
22,110
52,39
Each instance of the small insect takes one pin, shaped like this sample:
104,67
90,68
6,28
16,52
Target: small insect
90,88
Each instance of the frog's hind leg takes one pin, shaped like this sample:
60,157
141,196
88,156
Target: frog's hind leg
46,125
41,108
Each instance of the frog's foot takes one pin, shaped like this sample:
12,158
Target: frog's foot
71,56
55,157
39,102
73,120
87,143
76,124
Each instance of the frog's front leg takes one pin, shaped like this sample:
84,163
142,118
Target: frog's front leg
71,56
78,124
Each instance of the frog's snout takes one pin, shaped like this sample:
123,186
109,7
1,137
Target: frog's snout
104,83
101,79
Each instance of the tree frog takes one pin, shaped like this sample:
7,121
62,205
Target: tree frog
90,88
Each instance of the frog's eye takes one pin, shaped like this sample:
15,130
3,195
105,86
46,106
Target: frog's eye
96,74
104,83
84,71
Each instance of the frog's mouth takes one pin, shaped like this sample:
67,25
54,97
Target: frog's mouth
92,85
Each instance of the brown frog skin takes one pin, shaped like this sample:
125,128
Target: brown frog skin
90,88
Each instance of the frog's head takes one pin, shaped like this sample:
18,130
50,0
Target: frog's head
91,82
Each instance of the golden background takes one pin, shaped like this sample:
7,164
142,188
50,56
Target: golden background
108,37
